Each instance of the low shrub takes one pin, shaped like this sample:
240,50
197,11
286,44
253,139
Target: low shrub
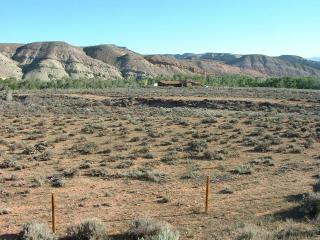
90,229
58,182
36,231
85,148
311,205
8,163
4,211
149,229
209,120
242,170
145,175
197,145
45,156
212,155
316,186
91,128
262,147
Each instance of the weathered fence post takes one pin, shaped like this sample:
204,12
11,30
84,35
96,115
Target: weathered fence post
53,214
207,195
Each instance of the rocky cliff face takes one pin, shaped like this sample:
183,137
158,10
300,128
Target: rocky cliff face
56,60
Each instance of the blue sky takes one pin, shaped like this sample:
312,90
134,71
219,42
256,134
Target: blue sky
271,27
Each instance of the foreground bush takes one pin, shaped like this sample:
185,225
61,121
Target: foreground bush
292,231
311,205
166,234
316,186
91,229
36,231
252,232
149,229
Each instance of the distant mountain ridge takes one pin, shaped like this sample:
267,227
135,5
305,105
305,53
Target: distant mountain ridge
56,60
315,59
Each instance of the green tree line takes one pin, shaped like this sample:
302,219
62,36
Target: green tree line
212,81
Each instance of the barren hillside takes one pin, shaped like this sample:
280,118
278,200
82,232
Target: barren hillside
56,60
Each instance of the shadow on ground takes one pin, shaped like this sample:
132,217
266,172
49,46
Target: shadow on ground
294,213
9,237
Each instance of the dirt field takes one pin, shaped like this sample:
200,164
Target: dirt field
121,154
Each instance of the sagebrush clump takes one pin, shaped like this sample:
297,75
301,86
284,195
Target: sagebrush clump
150,229
90,229
36,231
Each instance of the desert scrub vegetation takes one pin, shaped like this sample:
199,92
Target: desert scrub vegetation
4,211
316,186
244,169
84,148
91,128
290,231
36,231
90,229
145,175
150,229
311,205
133,142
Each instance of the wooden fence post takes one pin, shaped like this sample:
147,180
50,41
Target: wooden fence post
207,195
53,214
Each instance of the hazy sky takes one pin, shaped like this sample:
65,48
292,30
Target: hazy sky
271,27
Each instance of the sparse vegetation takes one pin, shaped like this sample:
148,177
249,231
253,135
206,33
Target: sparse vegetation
149,150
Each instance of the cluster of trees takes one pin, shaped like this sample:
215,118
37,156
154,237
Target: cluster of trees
246,81
212,81
83,83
